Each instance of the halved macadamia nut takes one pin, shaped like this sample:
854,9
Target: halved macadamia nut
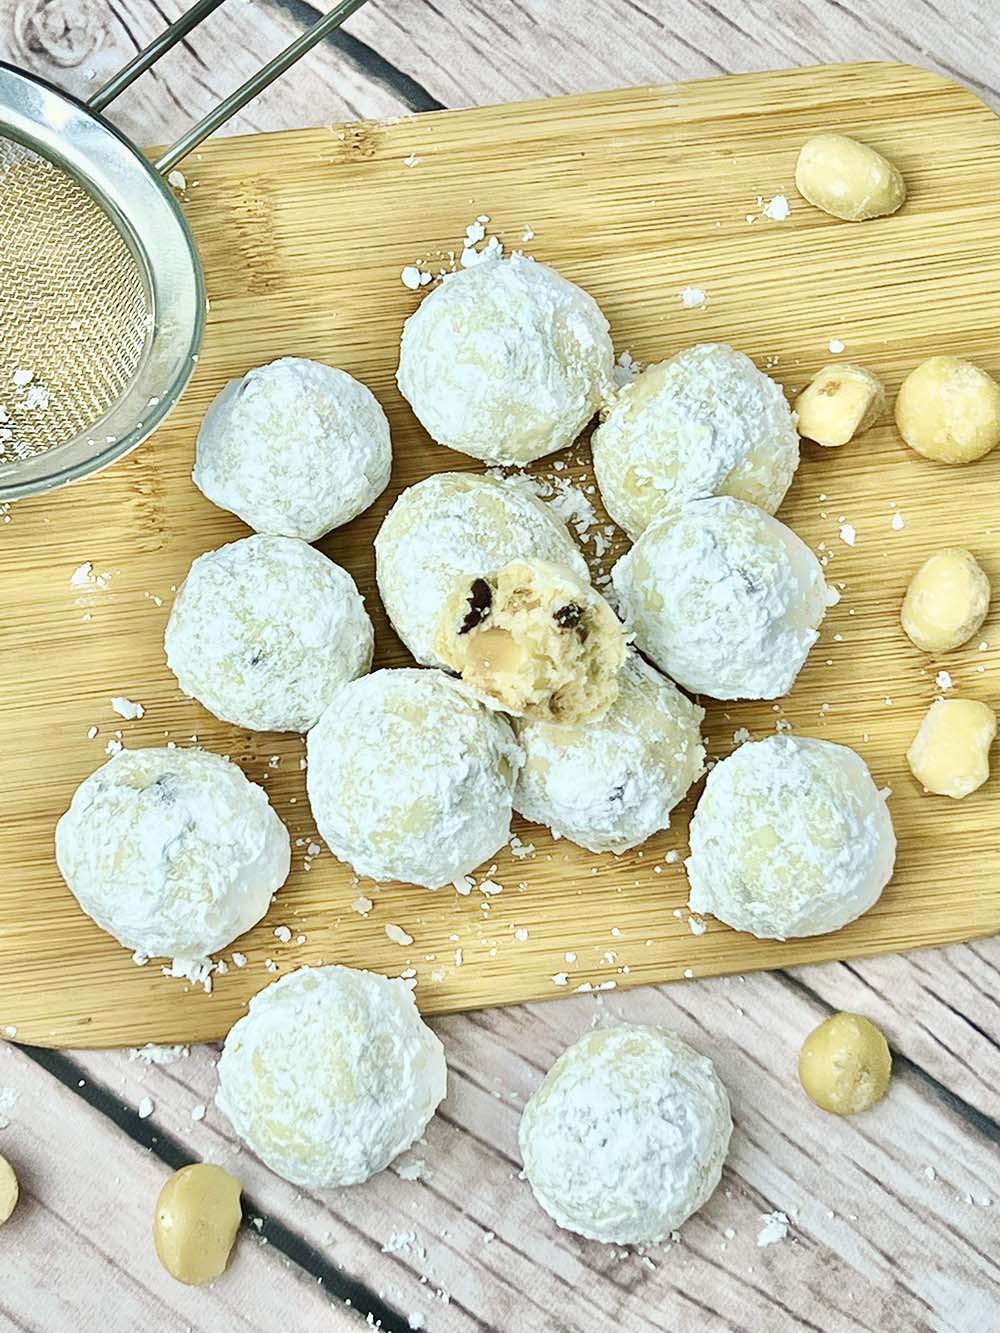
197,1217
950,754
839,402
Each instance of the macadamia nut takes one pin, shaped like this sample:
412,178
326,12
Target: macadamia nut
950,754
949,410
9,1190
839,402
197,1217
848,179
845,1065
946,601
535,640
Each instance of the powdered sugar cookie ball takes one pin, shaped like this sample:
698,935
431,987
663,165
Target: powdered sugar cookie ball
411,778
535,640
452,525
294,448
724,598
506,361
331,1075
791,837
173,852
706,422
627,1135
265,630
611,784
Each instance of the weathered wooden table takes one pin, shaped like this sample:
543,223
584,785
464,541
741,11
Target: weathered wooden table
894,1218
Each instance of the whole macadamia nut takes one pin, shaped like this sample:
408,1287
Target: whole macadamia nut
946,601
839,402
845,1065
949,410
848,179
950,754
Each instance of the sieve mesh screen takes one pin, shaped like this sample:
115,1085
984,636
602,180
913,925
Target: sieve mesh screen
73,307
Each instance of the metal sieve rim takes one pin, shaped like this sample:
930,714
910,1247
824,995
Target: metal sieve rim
130,190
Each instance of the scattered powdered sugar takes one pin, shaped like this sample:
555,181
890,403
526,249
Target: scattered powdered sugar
836,346
145,1108
848,534
404,1242
775,1228
196,970
198,1112
158,1055
777,209
283,933
944,681
126,708
80,578
414,277
177,179
625,369
8,1105
898,522
693,298
397,934
412,1170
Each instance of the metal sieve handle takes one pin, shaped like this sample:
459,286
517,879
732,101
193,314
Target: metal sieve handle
237,99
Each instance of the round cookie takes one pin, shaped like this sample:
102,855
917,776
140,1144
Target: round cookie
627,1135
294,448
724,599
705,422
453,525
534,640
173,852
265,630
611,784
331,1075
411,778
506,361
791,837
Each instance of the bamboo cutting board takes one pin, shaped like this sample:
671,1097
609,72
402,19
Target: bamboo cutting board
635,195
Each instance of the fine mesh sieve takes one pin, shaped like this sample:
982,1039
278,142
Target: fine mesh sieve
102,299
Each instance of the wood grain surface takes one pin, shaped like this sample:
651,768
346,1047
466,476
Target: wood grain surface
897,1225
635,195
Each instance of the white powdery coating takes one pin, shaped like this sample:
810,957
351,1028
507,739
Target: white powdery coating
791,837
627,1135
265,630
294,448
706,422
506,361
173,852
611,784
411,778
452,526
331,1075
724,598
